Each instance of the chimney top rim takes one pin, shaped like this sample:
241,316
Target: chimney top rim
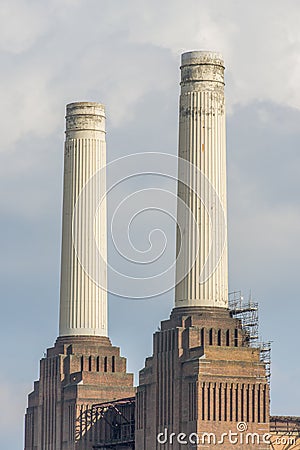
78,108
202,57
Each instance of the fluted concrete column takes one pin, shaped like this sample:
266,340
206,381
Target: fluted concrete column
83,304
202,142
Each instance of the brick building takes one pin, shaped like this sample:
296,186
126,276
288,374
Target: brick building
206,382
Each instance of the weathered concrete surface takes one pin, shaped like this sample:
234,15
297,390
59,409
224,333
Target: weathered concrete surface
83,304
202,142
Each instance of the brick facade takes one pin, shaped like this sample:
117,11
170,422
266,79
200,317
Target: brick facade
76,373
202,377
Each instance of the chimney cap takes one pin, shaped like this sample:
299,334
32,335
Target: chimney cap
198,57
85,117
81,108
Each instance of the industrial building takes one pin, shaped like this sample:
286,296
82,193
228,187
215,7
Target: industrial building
207,381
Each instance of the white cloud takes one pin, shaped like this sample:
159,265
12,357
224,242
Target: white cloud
20,25
119,52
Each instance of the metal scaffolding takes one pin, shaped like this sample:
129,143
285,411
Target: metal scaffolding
119,422
247,312
265,356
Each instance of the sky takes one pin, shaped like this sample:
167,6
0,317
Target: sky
127,56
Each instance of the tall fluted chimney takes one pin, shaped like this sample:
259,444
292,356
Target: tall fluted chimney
203,379
83,368
202,143
83,304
